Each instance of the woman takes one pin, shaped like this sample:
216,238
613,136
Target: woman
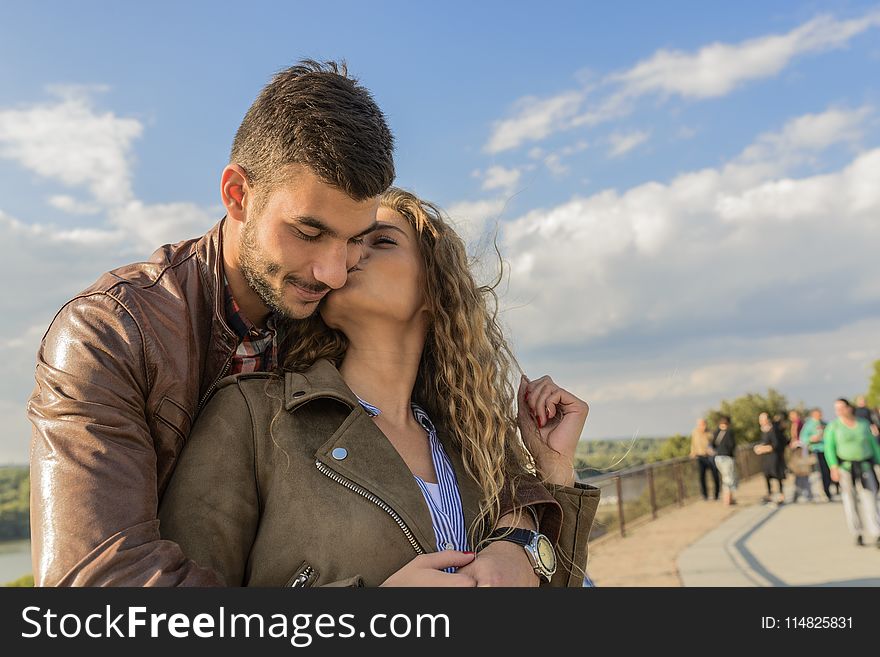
772,449
852,452
392,469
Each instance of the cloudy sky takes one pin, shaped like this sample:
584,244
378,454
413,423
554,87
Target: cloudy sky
687,194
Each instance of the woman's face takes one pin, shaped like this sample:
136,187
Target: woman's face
387,283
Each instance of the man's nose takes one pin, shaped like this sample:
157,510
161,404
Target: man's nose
332,268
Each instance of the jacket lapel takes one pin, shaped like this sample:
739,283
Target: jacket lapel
361,453
371,461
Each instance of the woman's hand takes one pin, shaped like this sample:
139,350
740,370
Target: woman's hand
551,420
427,570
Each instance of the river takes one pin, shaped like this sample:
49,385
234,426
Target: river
15,560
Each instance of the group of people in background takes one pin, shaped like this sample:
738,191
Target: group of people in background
846,452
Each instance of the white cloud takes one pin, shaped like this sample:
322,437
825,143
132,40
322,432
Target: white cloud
470,217
69,141
498,177
554,163
810,133
73,206
534,119
148,226
715,70
57,235
662,391
712,71
622,143
660,255
707,380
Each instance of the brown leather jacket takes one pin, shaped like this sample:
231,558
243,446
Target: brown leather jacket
287,481
121,374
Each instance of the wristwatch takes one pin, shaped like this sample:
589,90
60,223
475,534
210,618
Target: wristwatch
538,548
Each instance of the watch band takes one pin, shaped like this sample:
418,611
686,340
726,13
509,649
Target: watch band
516,535
538,548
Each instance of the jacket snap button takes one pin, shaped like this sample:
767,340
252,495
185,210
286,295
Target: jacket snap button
339,453
299,393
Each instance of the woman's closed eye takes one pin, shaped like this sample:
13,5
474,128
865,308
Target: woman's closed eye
383,240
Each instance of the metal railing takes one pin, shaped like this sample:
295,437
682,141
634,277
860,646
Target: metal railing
635,493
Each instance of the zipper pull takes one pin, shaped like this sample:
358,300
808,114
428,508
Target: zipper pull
302,578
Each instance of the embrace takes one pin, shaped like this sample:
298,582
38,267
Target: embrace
316,392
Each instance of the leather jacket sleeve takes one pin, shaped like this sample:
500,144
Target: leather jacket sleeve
579,504
93,460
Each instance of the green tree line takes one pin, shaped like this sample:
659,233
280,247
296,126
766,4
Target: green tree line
14,503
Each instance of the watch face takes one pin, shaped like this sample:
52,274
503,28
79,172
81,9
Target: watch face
546,553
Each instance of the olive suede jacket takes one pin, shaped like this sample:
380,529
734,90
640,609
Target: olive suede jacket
287,481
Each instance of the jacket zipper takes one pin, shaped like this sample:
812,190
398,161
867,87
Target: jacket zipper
216,381
303,577
363,492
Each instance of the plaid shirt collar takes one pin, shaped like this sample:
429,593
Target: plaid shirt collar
257,349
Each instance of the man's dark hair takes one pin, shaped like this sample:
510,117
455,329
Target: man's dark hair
314,114
724,418
845,401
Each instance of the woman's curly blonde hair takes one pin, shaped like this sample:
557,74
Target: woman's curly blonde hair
464,379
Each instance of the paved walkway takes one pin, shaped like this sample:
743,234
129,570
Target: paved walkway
751,544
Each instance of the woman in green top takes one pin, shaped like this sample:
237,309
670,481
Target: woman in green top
852,451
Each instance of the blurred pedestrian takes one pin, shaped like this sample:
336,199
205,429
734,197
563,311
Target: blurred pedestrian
812,435
801,460
863,411
772,451
725,453
852,452
704,453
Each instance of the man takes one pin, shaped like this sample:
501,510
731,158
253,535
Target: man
126,365
704,453
863,411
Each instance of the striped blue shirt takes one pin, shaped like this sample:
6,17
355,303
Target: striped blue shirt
445,505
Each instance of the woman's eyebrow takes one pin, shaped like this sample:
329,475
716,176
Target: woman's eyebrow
381,225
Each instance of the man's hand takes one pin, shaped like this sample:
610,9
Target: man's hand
502,563
835,474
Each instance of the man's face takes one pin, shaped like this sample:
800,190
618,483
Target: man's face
302,241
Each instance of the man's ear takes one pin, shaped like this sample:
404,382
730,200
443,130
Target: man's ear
235,192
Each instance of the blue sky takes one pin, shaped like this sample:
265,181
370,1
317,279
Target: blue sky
686,192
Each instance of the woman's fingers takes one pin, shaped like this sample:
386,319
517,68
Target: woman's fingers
445,559
538,391
546,401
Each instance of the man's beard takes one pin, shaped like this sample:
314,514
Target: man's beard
258,270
